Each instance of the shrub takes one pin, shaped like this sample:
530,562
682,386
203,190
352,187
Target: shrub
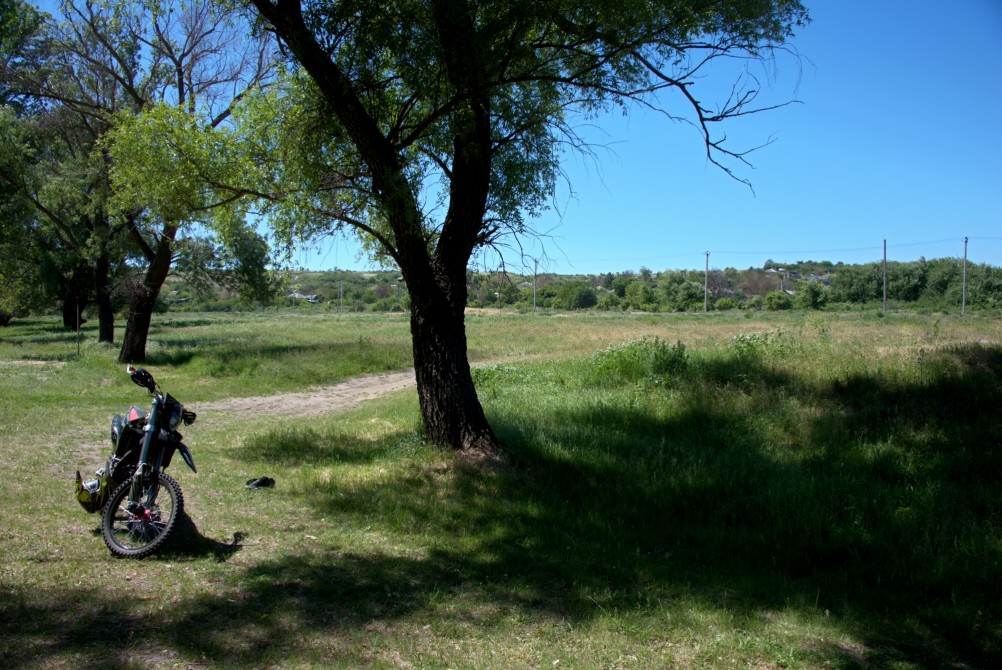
607,300
646,359
811,294
752,345
575,295
778,300
724,304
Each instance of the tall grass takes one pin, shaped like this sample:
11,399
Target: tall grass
778,470
684,492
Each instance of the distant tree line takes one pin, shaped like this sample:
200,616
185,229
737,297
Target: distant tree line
931,284
924,284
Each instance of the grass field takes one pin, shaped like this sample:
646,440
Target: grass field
683,491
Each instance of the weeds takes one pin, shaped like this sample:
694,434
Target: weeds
646,359
806,496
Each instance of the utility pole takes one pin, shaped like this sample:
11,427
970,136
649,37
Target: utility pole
706,283
535,271
963,303
885,275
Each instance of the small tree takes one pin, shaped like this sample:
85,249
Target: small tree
811,294
725,304
639,296
577,294
778,300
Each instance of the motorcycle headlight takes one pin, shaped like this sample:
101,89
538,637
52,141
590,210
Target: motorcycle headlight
175,411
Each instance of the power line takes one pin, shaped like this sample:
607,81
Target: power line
796,251
875,248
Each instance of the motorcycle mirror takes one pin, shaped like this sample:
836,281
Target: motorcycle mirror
142,378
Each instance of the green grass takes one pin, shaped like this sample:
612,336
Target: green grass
774,492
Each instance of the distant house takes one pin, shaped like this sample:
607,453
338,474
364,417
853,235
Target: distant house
825,279
312,298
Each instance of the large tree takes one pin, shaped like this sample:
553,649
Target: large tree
200,59
433,129
92,66
448,117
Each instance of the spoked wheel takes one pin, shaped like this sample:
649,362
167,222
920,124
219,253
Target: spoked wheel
134,530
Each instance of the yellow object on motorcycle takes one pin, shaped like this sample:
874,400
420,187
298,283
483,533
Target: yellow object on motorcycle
93,494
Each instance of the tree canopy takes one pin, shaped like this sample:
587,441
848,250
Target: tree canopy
443,123
434,129
81,75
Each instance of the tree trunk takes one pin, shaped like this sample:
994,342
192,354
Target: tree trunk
436,279
73,307
105,311
451,412
144,299
137,328
75,301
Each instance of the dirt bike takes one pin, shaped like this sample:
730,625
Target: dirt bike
139,503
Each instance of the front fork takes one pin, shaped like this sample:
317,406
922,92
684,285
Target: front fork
136,490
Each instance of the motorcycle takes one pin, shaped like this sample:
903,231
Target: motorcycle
139,503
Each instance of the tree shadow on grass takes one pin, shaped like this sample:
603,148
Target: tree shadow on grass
224,356
86,627
878,506
75,626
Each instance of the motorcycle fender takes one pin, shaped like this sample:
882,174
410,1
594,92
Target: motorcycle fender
186,455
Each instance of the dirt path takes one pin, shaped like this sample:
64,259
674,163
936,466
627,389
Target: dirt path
316,401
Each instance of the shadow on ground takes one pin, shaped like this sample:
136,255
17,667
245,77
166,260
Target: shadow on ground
882,508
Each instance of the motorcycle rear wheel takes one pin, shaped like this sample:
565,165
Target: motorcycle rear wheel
135,531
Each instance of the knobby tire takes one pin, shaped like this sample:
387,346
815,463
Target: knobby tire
130,536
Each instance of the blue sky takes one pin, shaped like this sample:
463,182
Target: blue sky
897,136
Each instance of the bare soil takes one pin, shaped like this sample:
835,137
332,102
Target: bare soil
315,402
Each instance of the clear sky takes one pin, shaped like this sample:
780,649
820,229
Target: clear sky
897,135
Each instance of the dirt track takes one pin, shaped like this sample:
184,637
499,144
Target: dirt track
317,401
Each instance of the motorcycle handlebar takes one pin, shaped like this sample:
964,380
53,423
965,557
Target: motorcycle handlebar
143,378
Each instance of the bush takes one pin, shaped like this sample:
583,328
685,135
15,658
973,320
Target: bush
607,300
646,359
778,300
811,294
575,295
724,304
755,302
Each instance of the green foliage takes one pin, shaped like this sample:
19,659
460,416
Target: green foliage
829,502
421,99
608,300
725,304
778,300
642,360
811,294
748,346
19,21
54,228
575,295
680,291
492,380
639,295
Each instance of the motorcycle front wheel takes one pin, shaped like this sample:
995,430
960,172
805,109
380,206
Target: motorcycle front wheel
135,530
